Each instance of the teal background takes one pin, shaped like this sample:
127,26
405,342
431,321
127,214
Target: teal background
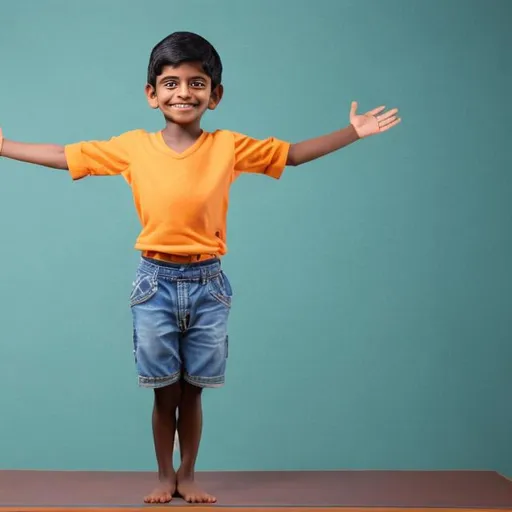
372,324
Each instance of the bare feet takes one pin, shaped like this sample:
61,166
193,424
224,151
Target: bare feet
190,492
163,492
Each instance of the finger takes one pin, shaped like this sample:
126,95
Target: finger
387,121
353,108
375,111
388,126
387,114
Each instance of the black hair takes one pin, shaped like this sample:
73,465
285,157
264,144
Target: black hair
180,47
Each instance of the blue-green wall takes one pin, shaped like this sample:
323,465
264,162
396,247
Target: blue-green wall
372,324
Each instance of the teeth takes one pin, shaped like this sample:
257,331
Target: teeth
182,105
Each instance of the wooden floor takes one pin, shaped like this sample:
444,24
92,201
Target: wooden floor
346,491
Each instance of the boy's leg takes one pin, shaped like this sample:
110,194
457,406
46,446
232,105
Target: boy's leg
156,334
164,428
204,352
190,424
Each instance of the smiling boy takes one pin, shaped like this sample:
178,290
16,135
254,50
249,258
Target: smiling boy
180,179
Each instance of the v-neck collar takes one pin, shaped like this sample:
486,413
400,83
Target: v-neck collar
187,152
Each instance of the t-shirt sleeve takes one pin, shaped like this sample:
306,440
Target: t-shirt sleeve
265,156
99,157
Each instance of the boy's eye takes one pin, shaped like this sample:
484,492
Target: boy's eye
197,84
170,84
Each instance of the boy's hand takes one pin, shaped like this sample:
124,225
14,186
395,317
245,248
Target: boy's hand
373,122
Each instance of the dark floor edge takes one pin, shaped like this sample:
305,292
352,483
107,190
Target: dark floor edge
177,507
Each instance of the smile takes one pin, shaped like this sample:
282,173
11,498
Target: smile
183,106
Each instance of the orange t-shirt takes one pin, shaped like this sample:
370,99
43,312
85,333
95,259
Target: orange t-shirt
181,198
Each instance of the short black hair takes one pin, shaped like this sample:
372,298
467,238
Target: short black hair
180,47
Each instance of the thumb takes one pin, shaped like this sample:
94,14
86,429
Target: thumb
353,108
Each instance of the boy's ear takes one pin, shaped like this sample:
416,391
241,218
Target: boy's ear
215,97
151,96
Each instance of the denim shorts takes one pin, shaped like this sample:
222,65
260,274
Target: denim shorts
180,315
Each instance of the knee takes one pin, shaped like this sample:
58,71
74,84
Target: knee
190,393
168,397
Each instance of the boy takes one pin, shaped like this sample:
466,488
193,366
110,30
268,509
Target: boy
180,179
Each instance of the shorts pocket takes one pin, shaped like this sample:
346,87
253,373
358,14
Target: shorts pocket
220,289
144,287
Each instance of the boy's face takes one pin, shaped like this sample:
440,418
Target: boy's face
183,93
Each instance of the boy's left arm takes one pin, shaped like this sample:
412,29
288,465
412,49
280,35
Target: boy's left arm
360,126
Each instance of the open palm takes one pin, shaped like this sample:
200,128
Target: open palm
373,121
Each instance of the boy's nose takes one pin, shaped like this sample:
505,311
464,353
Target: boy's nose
184,91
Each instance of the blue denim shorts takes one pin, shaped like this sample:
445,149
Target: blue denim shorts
180,316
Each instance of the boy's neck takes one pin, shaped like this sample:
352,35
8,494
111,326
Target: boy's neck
182,133
181,137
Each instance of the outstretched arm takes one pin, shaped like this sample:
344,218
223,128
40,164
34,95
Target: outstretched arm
49,155
360,126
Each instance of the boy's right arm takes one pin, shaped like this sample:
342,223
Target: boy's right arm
48,155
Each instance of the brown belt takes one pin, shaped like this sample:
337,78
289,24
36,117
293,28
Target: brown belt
178,258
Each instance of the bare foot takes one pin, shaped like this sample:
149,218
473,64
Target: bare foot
163,492
190,492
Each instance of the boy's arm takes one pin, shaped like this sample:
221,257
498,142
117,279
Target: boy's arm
360,126
87,158
49,155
